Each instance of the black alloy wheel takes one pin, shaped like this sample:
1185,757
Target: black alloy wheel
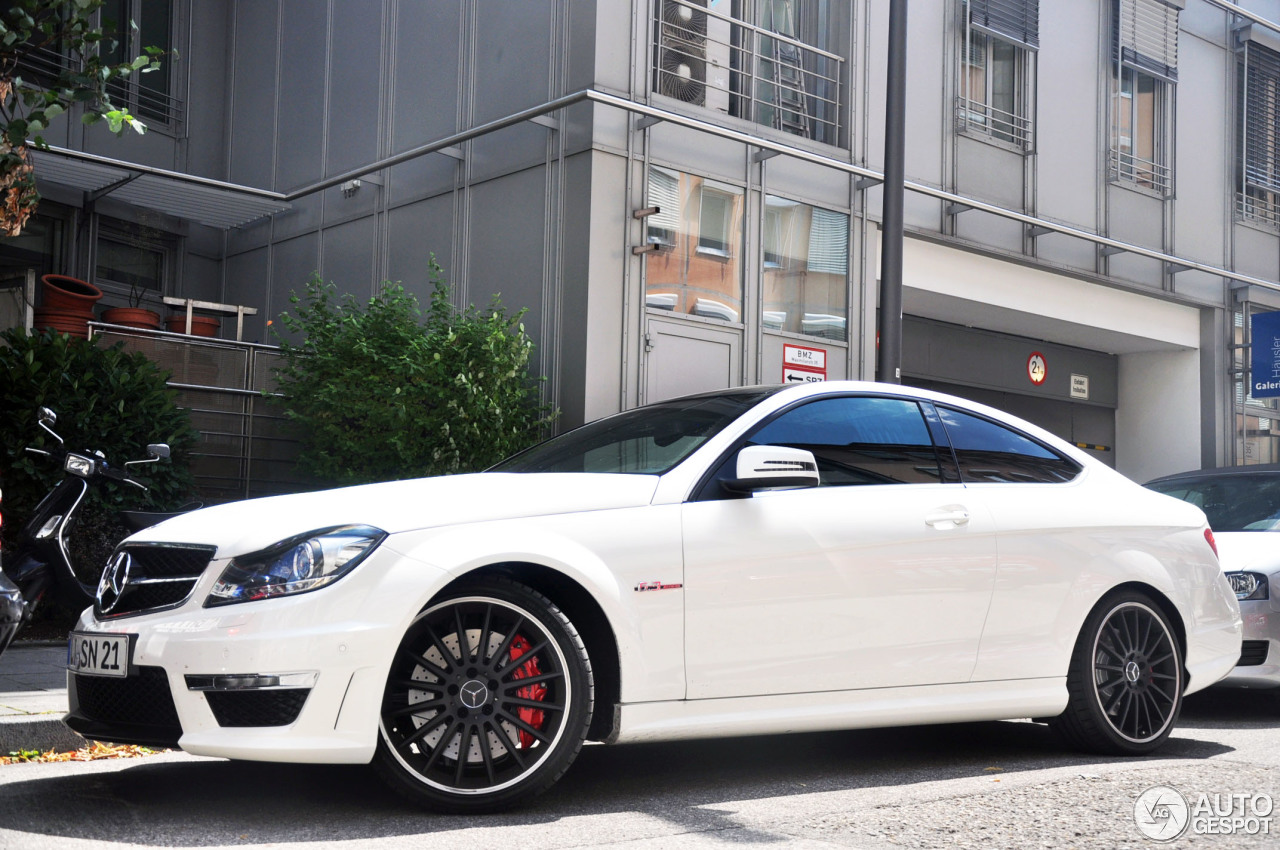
488,700
1126,679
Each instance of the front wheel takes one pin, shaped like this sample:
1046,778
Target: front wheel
488,700
1126,679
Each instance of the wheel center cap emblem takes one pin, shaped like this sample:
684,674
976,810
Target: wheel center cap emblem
474,694
1132,672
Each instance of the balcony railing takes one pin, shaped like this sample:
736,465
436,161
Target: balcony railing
714,60
152,107
1146,173
973,116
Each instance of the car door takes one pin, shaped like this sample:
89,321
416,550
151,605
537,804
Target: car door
879,577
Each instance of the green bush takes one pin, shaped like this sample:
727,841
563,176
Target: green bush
107,400
381,395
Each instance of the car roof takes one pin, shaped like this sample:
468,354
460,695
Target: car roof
1258,469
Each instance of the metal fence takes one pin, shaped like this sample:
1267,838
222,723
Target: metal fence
246,447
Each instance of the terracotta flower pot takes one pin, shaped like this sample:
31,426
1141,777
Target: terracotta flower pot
73,324
133,317
200,325
69,295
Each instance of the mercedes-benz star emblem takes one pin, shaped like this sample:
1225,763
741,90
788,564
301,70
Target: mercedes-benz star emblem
114,580
1132,672
474,694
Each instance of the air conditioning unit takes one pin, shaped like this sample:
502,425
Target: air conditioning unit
683,22
682,71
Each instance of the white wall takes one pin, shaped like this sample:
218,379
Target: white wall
1158,418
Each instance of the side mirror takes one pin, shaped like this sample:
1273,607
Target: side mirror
773,468
159,451
47,417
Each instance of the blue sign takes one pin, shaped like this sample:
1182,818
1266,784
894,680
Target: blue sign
1264,371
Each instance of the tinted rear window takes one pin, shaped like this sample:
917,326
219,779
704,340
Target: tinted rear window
988,451
1231,502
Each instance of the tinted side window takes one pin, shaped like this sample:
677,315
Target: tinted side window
987,451
858,440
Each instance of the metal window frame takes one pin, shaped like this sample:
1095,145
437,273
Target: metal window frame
983,119
1258,78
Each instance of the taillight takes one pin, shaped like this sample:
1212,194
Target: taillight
1208,537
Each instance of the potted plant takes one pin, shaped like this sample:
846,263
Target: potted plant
200,325
135,315
66,304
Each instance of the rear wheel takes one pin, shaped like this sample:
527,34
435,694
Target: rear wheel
488,700
1126,679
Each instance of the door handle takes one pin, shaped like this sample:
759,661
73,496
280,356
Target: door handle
947,518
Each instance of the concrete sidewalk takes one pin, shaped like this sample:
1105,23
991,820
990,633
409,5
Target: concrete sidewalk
33,698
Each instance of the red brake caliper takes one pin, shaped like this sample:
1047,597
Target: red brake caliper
536,692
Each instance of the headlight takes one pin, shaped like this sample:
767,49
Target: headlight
306,562
77,465
1248,585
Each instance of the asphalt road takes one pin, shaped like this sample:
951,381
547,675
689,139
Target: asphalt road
989,785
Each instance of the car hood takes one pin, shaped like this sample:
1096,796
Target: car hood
1249,550
398,506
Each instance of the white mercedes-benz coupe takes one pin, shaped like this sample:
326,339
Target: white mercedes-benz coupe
752,561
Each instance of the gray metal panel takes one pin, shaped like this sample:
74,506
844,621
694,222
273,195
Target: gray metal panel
425,83
1257,251
355,55
206,61
808,182
415,232
1067,117
346,256
254,94
512,60
943,352
1135,216
1204,152
690,358
989,172
991,230
299,139
508,217
508,150
292,263
247,276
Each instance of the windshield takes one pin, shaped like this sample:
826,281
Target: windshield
1238,502
648,440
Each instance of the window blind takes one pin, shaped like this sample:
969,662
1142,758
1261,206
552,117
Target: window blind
829,242
1015,20
1261,118
664,193
1146,36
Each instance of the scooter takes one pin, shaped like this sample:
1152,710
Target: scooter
40,562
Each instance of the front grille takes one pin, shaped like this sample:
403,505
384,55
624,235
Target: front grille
1253,653
278,707
140,698
158,576
137,709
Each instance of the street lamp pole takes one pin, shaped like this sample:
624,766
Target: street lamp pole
889,323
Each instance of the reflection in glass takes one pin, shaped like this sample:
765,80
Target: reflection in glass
698,230
806,259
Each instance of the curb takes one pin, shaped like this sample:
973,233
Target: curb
41,732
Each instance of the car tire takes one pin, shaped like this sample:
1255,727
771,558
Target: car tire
1126,679
494,726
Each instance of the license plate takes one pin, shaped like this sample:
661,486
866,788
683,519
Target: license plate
98,655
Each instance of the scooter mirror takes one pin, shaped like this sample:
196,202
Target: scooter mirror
159,451
47,416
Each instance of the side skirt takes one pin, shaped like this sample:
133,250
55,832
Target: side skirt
822,712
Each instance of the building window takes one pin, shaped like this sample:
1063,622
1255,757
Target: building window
132,259
135,26
697,270
1259,109
806,261
778,63
1000,40
1144,73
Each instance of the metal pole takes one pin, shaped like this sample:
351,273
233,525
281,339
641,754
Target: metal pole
889,324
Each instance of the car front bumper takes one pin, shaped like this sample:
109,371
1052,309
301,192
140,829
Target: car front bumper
1259,665
295,679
